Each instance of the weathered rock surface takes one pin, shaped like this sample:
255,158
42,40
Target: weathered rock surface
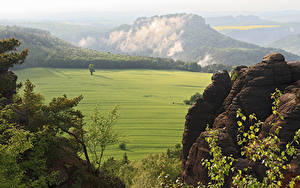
205,110
73,171
250,91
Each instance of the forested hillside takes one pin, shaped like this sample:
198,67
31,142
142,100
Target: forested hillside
46,50
67,31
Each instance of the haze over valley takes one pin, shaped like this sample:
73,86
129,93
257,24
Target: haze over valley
142,94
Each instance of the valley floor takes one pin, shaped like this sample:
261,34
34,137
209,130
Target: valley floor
152,113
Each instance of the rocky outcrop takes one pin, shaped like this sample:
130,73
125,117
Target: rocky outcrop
73,171
205,110
250,91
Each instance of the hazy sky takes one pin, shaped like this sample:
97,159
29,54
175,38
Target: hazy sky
42,7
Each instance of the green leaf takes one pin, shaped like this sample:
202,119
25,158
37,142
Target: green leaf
244,118
239,123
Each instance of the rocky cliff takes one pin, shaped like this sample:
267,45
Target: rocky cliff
178,36
250,91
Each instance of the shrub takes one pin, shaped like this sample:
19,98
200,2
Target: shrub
122,146
193,99
144,173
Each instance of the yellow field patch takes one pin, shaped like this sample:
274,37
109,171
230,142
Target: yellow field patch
244,27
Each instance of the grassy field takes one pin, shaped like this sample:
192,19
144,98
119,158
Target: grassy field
243,27
152,114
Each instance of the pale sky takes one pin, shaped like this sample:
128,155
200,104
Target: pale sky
42,7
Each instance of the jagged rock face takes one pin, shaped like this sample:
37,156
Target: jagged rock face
204,111
290,109
250,91
162,36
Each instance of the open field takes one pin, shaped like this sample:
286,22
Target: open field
152,114
243,27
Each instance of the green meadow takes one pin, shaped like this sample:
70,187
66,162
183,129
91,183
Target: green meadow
152,113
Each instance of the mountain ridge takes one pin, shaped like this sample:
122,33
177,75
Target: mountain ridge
182,36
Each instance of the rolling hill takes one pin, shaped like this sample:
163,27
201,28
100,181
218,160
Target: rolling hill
71,32
183,37
238,20
253,29
290,43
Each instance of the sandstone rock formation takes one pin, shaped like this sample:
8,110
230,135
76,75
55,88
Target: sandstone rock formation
185,37
250,91
205,110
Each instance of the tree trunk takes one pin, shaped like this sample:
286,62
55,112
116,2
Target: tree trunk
99,165
84,150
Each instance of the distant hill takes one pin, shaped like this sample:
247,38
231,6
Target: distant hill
286,16
238,20
290,43
263,36
71,32
183,37
45,50
253,29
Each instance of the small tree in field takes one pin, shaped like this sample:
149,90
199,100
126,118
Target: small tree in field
100,134
92,68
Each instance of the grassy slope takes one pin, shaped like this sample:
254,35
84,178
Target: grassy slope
149,118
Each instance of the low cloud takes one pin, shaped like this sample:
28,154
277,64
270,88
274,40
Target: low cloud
161,35
87,42
207,60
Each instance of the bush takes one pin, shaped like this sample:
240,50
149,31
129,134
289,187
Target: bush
144,173
153,166
111,167
193,99
122,146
